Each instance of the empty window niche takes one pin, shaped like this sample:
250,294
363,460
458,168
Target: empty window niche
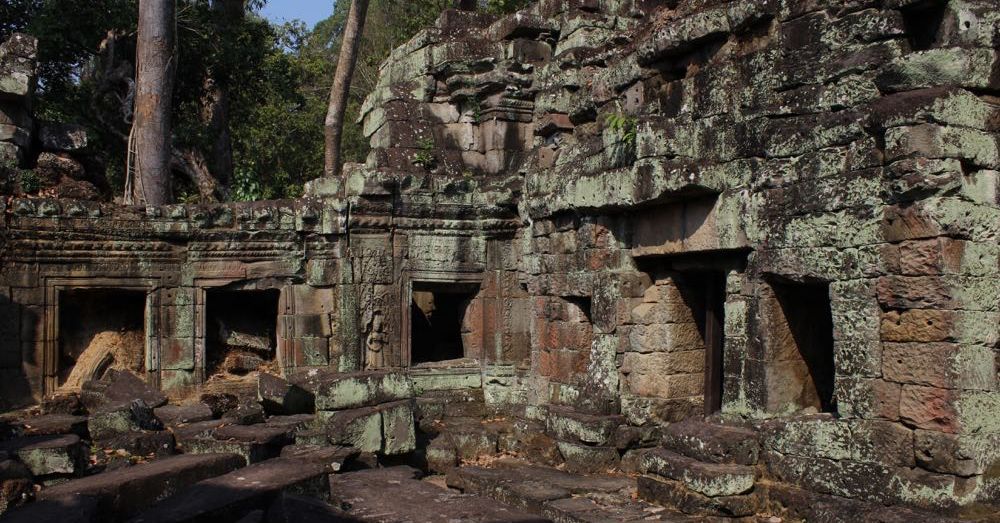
799,332
439,322
100,329
240,331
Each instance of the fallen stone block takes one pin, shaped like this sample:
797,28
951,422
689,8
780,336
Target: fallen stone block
358,428
334,458
245,414
398,433
251,451
119,386
112,420
339,391
124,492
236,494
176,414
278,396
220,403
293,424
47,455
62,403
51,424
142,443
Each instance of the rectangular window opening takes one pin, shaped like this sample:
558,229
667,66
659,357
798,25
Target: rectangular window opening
438,321
99,330
240,331
802,363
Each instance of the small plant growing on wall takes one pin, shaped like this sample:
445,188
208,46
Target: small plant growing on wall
621,137
425,155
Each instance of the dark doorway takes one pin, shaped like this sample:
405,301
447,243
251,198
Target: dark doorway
705,294
100,329
806,323
437,321
240,330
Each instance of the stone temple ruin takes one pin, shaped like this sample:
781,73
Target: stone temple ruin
608,260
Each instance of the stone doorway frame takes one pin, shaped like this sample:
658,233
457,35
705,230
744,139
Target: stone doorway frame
54,286
201,288
406,302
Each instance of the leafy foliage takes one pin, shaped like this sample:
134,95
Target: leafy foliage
277,77
623,129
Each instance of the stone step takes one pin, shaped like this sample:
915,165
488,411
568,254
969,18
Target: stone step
50,424
395,495
234,495
712,442
122,493
708,479
47,455
568,425
676,495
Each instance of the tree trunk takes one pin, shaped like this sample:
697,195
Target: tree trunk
215,105
154,88
342,85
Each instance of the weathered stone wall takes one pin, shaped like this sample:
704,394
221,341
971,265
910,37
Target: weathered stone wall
780,213
847,149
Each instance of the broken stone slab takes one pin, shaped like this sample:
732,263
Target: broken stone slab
47,455
675,494
61,137
119,386
127,491
712,442
142,443
334,458
62,403
358,428
708,479
220,403
261,434
339,391
177,414
568,425
278,396
293,424
245,414
201,429
234,495
111,420
50,424
393,495
251,451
